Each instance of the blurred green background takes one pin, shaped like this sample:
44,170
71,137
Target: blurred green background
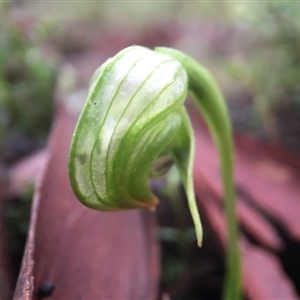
252,48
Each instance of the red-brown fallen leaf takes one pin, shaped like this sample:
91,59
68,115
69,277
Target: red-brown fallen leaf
85,253
263,277
206,169
272,185
248,217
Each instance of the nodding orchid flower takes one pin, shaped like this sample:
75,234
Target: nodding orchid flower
134,126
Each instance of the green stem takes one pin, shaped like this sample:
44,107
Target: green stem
212,106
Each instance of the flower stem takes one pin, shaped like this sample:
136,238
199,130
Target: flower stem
210,102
